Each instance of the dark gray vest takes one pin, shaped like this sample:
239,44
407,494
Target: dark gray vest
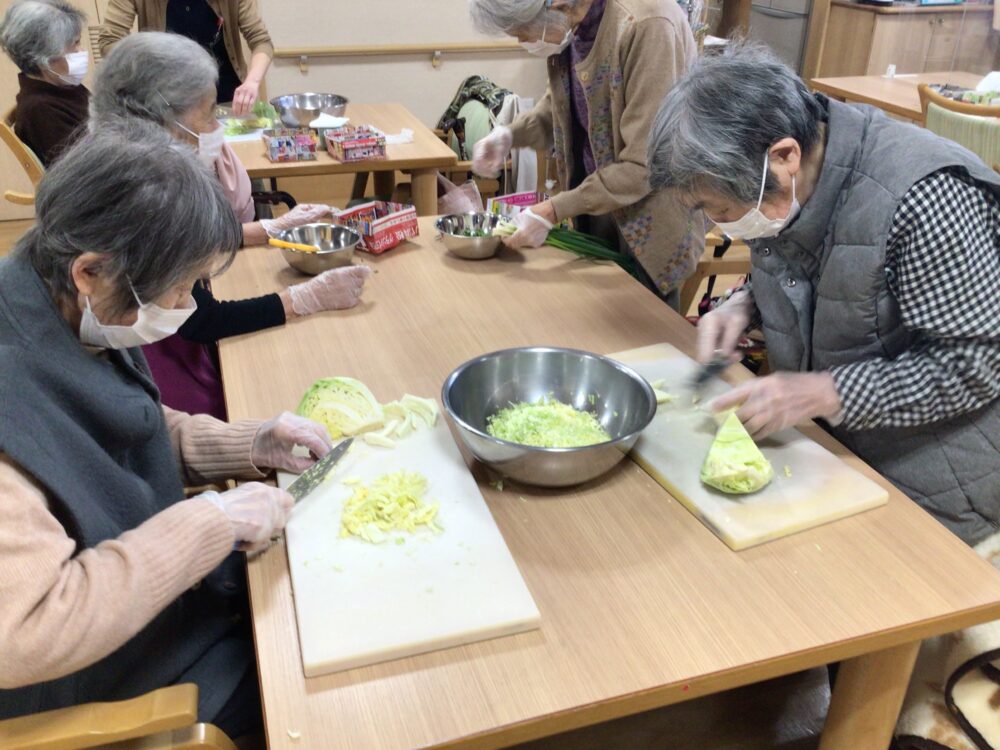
823,295
91,431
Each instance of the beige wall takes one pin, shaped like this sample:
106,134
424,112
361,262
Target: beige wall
412,80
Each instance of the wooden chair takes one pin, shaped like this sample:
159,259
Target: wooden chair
722,257
25,157
975,126
165,719
94,35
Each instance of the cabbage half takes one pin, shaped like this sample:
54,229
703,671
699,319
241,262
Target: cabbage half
344,405
734,463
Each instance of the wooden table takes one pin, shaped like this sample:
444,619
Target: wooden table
421,159
642,606
897,96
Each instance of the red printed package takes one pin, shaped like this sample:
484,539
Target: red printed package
382,225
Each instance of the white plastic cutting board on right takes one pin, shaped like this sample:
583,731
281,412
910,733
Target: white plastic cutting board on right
811,485
358,603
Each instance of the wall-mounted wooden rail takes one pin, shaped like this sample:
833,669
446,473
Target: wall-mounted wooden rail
436,51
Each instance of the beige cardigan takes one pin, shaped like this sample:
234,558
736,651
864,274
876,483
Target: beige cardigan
642,48
238,17
62,610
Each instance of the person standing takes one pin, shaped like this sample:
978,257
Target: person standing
216,25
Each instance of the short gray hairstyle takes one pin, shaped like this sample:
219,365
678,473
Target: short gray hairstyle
503,16
153,75
36,31
134,194
718,121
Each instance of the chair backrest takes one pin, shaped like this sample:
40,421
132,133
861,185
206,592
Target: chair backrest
94,33
24,155
975,126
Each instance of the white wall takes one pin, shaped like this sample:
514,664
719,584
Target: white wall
411,80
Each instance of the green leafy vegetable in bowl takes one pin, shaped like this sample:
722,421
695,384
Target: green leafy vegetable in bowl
547,423
734,463
262,116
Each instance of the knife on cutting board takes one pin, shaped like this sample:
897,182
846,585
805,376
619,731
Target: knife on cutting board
711,369
310,478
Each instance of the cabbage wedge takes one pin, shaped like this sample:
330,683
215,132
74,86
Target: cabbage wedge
734,463
344,405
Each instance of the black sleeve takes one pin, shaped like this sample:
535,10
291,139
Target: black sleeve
214,320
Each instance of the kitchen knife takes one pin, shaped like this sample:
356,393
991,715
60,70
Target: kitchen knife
310,478
713,368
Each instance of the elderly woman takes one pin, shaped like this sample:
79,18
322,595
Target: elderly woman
215,25
610,63
170,81
42,37
876,274
114,584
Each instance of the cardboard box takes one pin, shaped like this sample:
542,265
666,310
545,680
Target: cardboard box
363,143
381,224
290,144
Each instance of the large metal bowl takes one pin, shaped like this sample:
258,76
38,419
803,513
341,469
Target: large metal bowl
452,226
336,247
298,110
621,398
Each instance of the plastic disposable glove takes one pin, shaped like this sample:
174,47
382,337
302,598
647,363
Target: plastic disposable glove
272,447
304,213
532,230
257,513
336,289
490,153
720,330
772,403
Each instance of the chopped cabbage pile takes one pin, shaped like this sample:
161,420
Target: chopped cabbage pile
347,407
734,463
546,423
393,502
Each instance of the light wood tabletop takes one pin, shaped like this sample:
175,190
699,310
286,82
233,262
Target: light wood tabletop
421,159
897,95
642,606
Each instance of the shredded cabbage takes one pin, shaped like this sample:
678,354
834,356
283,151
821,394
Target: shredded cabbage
344,405
393,502
734,463
546,423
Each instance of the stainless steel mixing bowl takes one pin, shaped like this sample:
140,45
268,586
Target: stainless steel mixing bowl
336,247
298,110
453,226
621,399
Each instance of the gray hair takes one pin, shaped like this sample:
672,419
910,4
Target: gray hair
152,75
717,123
142,200
36,31
503,16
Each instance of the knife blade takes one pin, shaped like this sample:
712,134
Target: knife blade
711,369
309,479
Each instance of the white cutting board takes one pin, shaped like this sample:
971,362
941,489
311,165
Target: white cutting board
672,448
358,603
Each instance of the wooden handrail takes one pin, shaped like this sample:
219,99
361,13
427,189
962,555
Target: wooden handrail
375,50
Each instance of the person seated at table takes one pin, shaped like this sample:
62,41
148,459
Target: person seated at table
170,81
113,583
610,63
42,38
876,274
218,26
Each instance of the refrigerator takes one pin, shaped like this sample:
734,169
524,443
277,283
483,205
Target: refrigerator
783,26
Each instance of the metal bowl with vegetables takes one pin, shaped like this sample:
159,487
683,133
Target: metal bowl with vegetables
564,416
298,110
470,236
334,247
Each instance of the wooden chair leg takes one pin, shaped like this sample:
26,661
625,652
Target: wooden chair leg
360,185
385,183
689,290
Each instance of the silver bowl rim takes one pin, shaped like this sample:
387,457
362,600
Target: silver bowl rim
643,384
314,253
275,101
442,230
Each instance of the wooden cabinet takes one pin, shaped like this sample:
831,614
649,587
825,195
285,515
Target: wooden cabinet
865,40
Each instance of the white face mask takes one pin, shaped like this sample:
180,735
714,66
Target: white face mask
209,144
541,48
77,64
754,224
155,323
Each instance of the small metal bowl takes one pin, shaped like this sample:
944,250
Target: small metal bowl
621,398
298,110
471,248
336,247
